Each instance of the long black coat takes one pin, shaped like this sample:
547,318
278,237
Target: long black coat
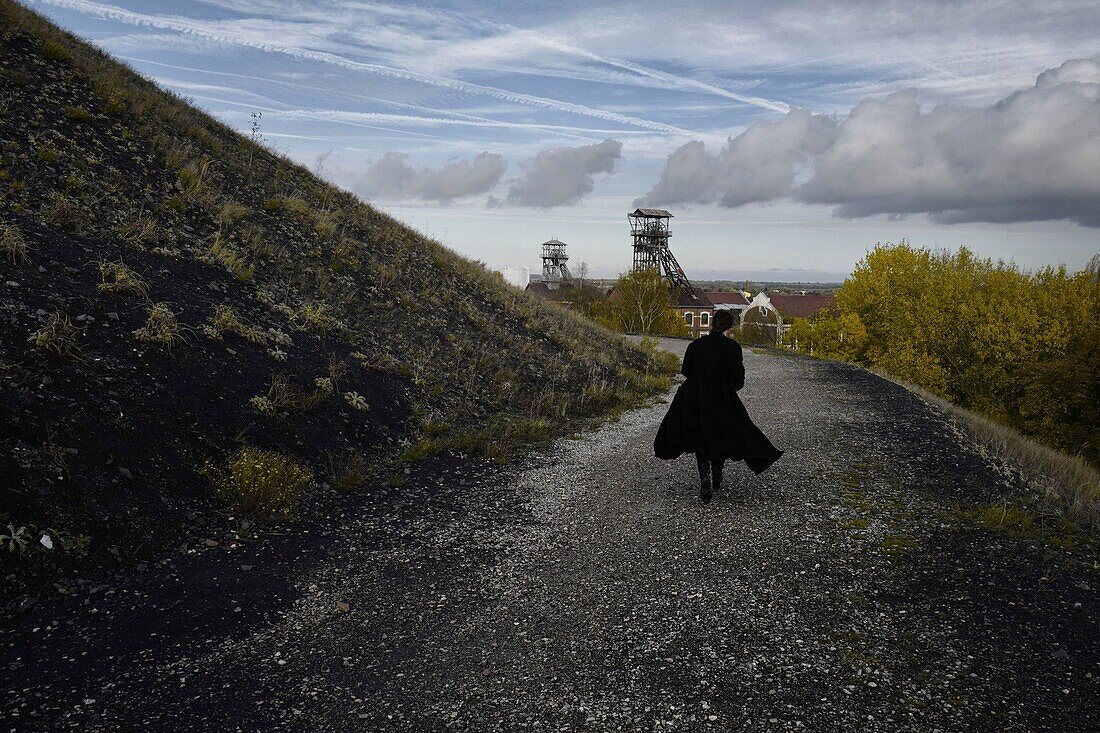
707,416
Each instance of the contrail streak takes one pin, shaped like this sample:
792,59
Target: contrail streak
439,116
675,79
199,28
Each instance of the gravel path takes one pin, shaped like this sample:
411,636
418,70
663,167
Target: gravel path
842,590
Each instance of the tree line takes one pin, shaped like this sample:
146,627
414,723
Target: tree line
1020,347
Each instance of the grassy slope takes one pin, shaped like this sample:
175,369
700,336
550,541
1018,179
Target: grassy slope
276,280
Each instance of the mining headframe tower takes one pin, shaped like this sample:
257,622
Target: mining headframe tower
554,270
651,232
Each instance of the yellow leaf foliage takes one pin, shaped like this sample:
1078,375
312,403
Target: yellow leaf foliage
1022,348
641,302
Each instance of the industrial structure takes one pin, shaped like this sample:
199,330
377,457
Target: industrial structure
554,270
650,230
769,316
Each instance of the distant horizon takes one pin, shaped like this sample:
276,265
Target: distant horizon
765,277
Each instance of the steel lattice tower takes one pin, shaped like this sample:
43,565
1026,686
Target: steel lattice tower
650,229
554,258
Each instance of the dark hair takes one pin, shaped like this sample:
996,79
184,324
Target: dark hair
723,320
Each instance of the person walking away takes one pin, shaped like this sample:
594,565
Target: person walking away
707,417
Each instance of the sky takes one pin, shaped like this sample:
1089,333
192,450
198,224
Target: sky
786,138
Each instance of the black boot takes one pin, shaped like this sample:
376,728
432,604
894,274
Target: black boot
704,477
716,475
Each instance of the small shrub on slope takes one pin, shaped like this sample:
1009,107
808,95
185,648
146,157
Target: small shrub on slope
118,278
138,232
161,327
58,336
226,320
348,471
261,484
13,248
54,51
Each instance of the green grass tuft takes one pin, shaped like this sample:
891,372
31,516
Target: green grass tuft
59,336
13,248
161,327
118,278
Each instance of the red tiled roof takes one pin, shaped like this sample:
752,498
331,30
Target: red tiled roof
802,306
727,298
696,298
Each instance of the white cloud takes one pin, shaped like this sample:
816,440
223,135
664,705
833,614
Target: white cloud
757,165
391,177
1032,156
563,176
144,42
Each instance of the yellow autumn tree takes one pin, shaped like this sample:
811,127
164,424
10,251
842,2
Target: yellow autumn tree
641,302
829,336
1060,391
1022,348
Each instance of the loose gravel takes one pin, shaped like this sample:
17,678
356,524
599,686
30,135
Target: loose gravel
841,590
